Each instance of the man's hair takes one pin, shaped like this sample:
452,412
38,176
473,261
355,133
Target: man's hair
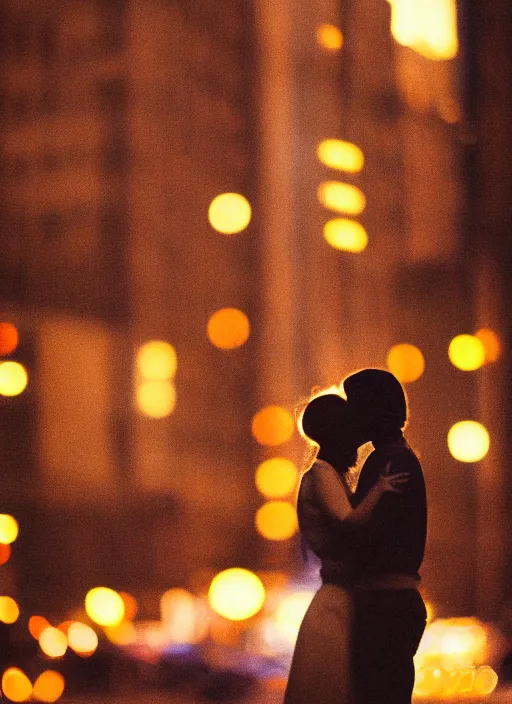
377,398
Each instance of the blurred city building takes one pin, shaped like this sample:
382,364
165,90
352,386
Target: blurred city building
355,135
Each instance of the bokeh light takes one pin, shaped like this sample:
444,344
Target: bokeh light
13,378
329,37
485,680
16,685
273,425
468,441
341,197
5,553
82,639
406,362
9,528
157,360
49,686
104,606
491,343
236,594
184,616
156,399
228,328
428,27
337,154
290,612
123,634
131,606
36,625
229,213
466,352
9,609
53,642
276,520
276,477
8,338
346,235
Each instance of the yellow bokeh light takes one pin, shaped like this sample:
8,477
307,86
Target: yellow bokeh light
276,477
122,634
290,612
13,378
346,235
485,681
468,441
8,338
9,529
276,520
53,642
16,685
329,37
156,399
236,594
406,362
157,360
337,154
49,686
183,616
9,610
427,26
104,606
466,352
491,343
228,328
341,197
273,425
82,639
229,213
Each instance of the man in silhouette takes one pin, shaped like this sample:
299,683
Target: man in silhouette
390,615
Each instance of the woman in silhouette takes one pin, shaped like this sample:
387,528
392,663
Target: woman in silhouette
321,664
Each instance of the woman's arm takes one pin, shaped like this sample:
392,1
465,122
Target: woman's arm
333,495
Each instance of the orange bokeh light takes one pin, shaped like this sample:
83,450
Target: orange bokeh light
273,425
491,343
131,606
49,686
8,338
16,685
36,625
228,328
5,553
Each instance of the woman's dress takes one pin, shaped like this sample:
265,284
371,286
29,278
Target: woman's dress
320,671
